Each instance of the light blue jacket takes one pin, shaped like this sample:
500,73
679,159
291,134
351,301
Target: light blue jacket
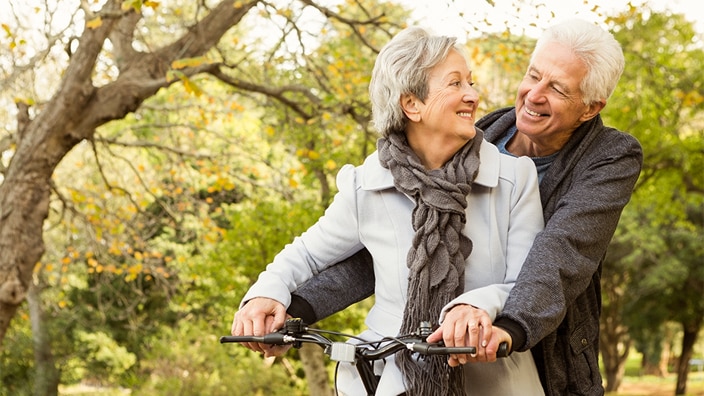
504,214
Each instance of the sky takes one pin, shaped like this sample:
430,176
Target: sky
464,16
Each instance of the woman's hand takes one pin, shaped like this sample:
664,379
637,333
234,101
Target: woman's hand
260,316
466,326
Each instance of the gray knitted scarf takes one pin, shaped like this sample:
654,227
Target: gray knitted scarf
436,260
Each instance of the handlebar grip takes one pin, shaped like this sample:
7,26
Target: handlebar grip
436,349
271,339
431,349
503,350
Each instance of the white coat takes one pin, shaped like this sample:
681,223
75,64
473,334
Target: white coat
503,216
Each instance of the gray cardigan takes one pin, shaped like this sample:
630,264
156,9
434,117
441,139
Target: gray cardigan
554,308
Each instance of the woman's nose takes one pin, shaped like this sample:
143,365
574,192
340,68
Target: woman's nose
471,95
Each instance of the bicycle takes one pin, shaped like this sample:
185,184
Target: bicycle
362,355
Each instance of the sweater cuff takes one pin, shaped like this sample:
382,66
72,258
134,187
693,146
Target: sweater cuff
300,308
515,330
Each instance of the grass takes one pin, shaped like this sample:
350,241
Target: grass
646,385
649,385
635,384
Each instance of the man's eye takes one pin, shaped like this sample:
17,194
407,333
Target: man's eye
556,89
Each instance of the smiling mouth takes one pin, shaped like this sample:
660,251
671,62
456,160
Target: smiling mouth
534,114
464,115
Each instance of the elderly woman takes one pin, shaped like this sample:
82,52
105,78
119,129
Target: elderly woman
447,219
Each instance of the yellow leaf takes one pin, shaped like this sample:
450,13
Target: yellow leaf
136,4
189,62
94,23
171,75
191,87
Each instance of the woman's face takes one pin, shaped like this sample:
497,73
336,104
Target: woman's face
549,104
448,111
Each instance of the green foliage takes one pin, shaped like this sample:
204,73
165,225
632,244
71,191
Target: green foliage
189,360
17,359
657,248
101,358
259,231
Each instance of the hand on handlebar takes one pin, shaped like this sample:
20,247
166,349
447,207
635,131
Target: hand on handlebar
260,316
467,326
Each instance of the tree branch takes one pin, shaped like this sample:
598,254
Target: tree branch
275,93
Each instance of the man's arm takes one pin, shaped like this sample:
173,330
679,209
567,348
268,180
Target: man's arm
581,217
334,289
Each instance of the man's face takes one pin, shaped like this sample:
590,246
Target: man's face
549,103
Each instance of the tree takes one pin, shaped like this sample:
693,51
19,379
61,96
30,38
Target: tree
72,115
656,270
138,68
112,68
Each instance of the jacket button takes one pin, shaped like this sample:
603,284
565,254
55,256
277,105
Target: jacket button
584,342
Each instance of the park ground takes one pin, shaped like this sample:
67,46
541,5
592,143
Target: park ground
632,386
656,386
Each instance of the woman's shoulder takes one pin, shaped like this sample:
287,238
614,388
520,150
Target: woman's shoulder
496,167
370,175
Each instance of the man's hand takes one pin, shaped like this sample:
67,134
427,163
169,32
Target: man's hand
260,316
498,335
464,326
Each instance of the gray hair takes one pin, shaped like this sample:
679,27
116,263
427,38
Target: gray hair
597,48
403,67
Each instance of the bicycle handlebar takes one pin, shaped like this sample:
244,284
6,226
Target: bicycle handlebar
295,332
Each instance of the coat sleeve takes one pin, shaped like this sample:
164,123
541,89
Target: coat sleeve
525,220
334,289
334,237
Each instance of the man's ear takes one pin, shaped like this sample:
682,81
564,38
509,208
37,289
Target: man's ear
410,108
592,110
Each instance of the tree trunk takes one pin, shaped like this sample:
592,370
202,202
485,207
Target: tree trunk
313,361
614,346
689,338
614,341
46,378
665,351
